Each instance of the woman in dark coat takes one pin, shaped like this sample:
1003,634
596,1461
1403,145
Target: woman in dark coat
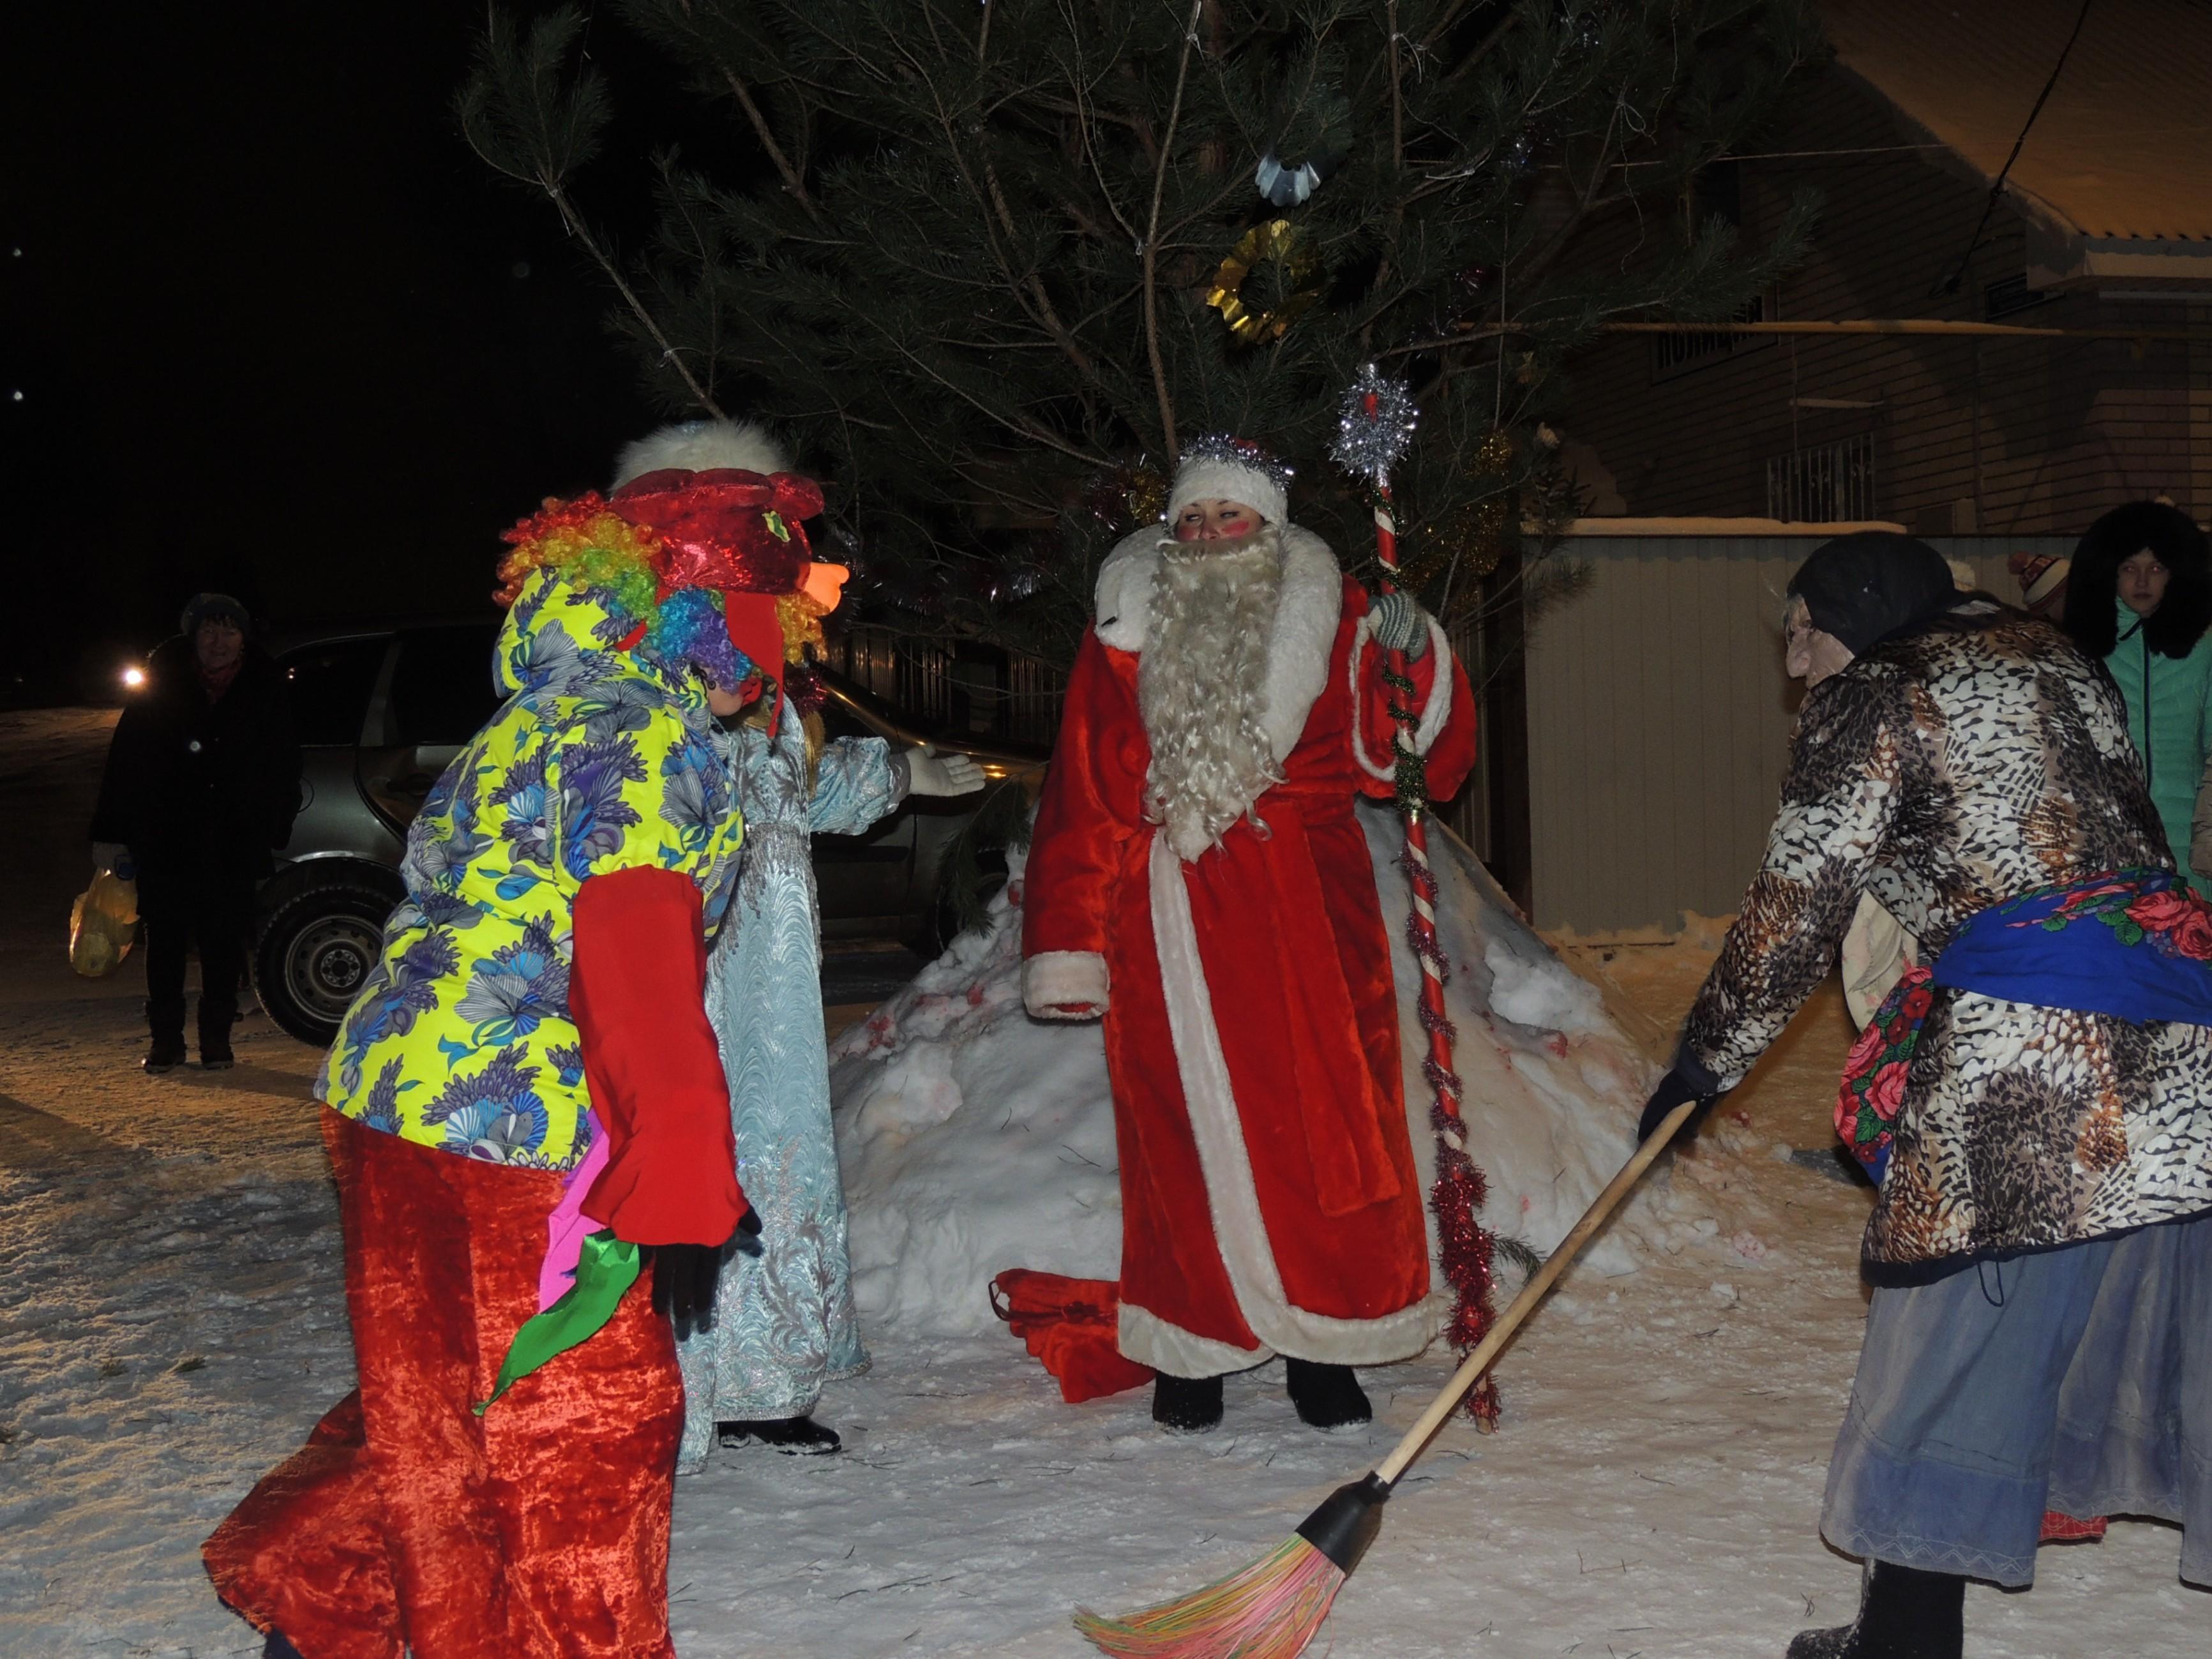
2031,1098
202,781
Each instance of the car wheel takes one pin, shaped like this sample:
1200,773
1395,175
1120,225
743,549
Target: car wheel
316,949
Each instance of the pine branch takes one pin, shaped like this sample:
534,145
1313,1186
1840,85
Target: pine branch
1168,443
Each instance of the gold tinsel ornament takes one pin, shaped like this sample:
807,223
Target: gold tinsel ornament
1277,240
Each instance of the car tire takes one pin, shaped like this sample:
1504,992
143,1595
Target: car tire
316,949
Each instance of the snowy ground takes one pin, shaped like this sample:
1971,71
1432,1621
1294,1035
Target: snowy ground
171,1323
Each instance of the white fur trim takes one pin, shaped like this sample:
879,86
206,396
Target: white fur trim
1210,479
1239,1228
1053,977
1149,1339
1306,617
1434,713
702,446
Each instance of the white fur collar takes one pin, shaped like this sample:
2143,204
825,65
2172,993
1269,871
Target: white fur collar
1299,645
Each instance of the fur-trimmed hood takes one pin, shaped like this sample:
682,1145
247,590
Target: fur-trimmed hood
1299,644
2091,617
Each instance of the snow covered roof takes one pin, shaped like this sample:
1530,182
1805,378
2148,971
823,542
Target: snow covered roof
2122,150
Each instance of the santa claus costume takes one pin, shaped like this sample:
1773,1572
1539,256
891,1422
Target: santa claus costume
1198,878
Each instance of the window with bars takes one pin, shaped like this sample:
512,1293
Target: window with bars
1828,483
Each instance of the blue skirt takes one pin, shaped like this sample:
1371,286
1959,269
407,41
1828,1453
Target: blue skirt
2078,1379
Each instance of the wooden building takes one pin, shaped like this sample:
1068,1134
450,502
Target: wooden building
1651,721
2103,230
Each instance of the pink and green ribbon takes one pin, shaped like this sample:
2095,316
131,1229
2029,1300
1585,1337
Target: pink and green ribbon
607,1267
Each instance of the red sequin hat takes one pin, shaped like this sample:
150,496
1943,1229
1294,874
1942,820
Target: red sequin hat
740,532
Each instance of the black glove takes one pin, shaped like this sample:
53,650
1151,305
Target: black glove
1673,1089
685,1277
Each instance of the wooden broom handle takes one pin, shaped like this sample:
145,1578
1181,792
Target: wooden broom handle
1470,1371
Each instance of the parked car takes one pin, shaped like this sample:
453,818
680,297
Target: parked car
382,712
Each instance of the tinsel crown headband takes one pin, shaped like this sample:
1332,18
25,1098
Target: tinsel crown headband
1218,467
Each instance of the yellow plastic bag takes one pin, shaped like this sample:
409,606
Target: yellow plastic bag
102,923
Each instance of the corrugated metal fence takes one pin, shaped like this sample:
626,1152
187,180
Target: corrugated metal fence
1659,719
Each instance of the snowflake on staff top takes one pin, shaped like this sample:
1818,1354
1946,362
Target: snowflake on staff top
1232,450
1374,424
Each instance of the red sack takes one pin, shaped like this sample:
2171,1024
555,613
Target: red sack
1069,1325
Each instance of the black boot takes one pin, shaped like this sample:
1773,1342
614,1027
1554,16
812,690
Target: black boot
1327,1396
1905,1612
277,1648
1186,1405
163,1053
794,1437
214,1048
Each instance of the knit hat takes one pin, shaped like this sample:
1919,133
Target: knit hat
210,607
1865,586
1218,467
2042,578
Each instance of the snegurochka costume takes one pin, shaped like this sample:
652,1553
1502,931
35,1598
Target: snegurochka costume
526,1091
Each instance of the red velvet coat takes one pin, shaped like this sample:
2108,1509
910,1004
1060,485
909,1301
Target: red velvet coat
1269,1196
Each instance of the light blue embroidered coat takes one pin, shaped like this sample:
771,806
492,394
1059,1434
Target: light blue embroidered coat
784,1322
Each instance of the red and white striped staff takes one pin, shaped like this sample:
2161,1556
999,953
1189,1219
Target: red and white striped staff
1374,423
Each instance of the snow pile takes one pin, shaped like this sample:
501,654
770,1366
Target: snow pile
974,1139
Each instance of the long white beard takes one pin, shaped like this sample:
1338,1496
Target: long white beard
1202,686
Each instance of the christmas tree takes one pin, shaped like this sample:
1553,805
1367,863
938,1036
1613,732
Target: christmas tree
990,264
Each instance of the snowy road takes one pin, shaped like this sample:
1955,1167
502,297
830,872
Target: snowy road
171,1323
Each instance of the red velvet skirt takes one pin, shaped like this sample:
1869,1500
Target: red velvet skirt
408,1524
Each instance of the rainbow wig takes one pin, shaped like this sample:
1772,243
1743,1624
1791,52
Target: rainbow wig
588,544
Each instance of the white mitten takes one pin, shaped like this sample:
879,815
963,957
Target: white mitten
941,774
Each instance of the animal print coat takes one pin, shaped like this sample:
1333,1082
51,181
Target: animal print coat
1977,760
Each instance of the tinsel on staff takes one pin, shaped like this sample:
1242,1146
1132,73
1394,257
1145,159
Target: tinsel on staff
1374,423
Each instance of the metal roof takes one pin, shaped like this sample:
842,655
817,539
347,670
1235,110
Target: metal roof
2123,149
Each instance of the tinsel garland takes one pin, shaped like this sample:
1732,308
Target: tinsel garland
1466,1247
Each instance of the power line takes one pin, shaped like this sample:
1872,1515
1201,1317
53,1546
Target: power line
1996,187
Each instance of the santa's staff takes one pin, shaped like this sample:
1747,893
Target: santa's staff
1374,425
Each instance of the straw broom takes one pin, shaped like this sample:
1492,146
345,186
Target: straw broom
1275,1606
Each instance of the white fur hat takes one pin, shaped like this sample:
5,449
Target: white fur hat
702,446
1218,467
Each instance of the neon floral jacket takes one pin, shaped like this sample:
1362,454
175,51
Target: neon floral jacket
602,764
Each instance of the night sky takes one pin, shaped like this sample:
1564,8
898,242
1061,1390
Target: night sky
274,329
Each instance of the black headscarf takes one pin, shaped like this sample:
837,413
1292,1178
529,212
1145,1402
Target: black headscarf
1865,587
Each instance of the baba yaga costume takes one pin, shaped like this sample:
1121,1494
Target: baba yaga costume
783,1323
2031,1098
1197,876
527,1092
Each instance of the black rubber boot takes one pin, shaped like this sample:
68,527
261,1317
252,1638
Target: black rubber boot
164,1054
794,1437
1327,1396
277,1648
1186,1405
214,1048
1905,1612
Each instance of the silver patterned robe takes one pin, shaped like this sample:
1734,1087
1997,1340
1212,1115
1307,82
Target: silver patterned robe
784,1322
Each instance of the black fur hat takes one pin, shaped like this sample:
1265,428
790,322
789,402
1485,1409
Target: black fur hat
2092,586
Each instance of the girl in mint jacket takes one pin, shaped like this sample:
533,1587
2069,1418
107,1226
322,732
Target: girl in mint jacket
2140,599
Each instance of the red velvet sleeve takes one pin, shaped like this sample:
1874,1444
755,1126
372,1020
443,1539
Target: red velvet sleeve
1451,754
1091,809
638,991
